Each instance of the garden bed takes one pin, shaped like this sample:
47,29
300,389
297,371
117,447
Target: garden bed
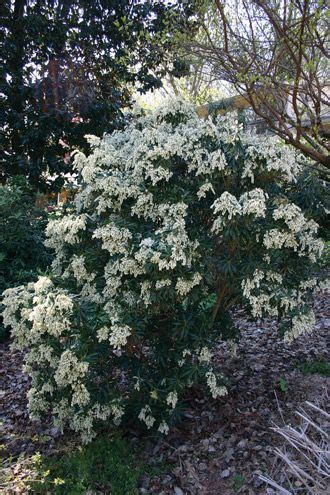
222,446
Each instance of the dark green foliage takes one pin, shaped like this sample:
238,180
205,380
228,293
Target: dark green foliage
68,68
311,194
21,236
320,367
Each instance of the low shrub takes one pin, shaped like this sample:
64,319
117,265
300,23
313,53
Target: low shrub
177,220
22,226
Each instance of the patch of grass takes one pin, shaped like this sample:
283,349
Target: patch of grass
237,482
104,465
107,465
321,367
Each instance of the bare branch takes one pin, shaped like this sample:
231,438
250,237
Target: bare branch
275,54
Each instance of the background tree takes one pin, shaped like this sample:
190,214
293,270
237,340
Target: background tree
198,85
193,80
68,69
274,53
190,77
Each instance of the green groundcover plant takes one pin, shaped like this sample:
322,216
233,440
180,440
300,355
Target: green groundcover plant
177,220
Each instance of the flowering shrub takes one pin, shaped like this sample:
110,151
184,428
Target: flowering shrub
22,232
177,220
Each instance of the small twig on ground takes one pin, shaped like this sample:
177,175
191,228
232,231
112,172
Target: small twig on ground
273,483
305,453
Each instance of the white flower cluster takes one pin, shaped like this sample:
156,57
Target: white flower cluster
80,395
69,370
115,334
114,239
300,233
50,312
301,324
201,193
308,284
172,399
264,302
264,153
227,206
83,421
79,271
119,335
184,286
261,301
64,230
205,355
146,416
163,428
254,203
215,389
17,303
45,310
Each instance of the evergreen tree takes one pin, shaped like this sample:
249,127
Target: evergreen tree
68,68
